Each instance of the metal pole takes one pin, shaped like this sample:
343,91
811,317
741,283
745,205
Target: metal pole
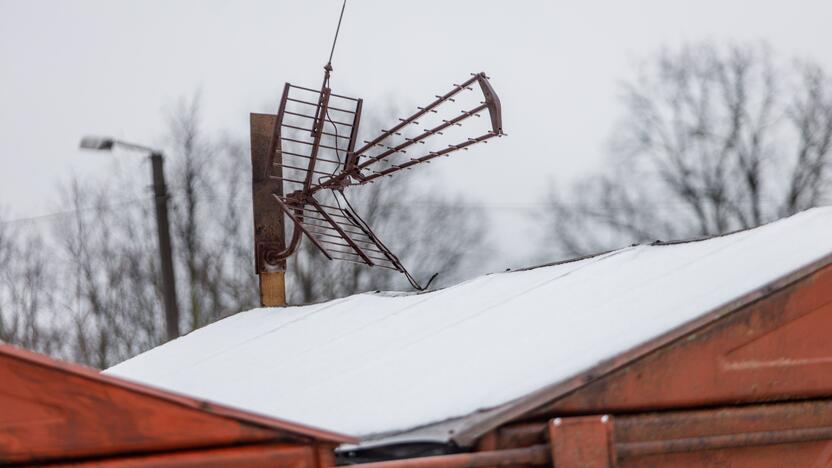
160,193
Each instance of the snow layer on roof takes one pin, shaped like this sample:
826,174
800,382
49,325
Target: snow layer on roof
375,363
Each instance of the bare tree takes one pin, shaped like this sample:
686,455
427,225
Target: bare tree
88,287
110,291
211,219
26,294
712,140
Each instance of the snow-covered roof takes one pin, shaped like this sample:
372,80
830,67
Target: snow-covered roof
424,366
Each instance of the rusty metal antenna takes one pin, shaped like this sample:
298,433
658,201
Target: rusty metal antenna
311,159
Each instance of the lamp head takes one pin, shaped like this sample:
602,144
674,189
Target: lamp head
97,143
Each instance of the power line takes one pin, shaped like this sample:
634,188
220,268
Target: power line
57,214
523,206
485,206
109,207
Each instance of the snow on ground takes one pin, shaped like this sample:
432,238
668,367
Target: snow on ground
378,363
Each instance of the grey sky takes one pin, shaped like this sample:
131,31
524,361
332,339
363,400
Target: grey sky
112,67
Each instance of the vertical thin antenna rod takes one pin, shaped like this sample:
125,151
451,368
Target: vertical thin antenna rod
337,29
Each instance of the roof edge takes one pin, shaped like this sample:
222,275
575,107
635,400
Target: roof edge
178,399
494,417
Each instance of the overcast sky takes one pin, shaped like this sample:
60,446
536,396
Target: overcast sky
113,67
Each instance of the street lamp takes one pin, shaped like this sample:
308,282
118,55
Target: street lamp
161,196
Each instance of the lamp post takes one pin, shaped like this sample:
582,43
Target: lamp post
163,227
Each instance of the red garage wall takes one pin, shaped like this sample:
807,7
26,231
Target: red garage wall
777,348
53,411
749,385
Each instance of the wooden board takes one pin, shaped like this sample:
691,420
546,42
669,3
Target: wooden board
269,233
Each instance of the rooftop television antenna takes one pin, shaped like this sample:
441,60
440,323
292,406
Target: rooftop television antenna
313,155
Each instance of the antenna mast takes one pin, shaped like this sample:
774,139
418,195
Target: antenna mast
302,166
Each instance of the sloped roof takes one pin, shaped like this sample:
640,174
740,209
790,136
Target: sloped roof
432,366
52,410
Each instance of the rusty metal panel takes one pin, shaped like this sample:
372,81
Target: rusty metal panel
793,434
581,442
56,411
288,456
776,348
809,455
522,435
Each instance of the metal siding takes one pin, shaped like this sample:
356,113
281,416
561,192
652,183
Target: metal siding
785,434
284,456
56,411
776,348
582,441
